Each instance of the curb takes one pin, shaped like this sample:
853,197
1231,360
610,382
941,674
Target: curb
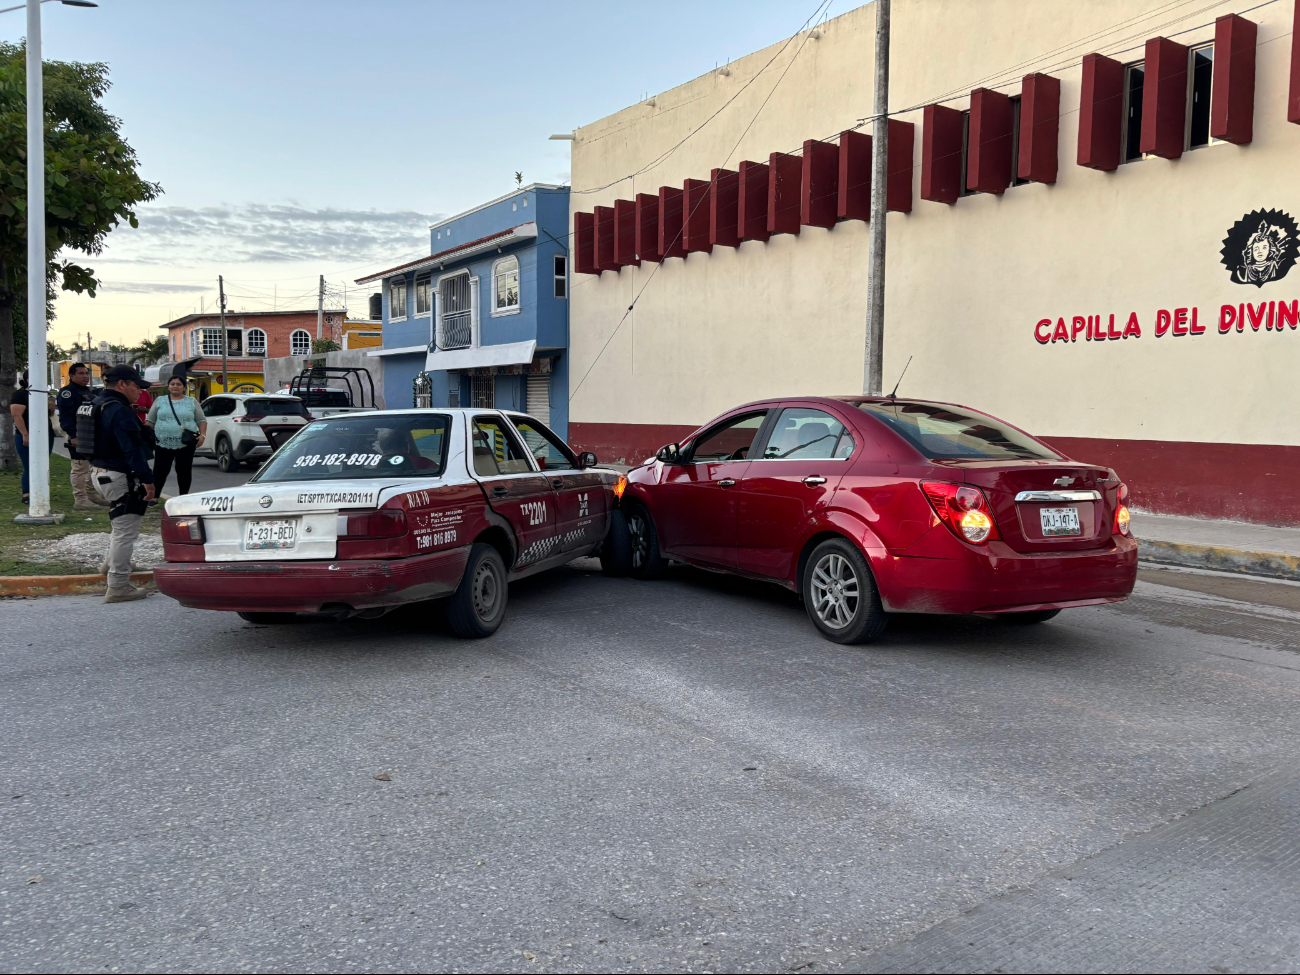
63,585
1269,564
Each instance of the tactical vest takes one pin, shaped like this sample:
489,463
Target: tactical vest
87,421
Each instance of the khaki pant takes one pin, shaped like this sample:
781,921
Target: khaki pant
111,485
82,488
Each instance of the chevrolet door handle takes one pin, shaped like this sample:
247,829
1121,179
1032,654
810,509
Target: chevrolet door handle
726,482
814,480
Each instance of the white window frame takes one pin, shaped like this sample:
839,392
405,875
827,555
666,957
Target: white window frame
475,335
560,276
292,335
519,280
1191,91
427,278
215,344
406,301
248,343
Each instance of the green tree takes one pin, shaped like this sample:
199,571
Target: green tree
323,345
152,350
91,186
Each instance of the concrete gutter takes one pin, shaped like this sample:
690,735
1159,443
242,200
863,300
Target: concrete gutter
1270,564
63,585
1242,548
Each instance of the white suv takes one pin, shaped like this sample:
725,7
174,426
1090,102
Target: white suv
235,426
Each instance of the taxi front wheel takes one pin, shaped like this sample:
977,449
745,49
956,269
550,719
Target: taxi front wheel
478,605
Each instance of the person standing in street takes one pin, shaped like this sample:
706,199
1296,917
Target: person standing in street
120,463
69,400
22,438
179,427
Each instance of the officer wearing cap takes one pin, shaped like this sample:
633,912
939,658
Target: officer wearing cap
70,399
121,471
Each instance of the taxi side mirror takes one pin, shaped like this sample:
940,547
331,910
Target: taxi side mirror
670,454
587,459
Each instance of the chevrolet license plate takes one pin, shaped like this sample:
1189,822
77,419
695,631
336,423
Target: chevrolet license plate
1060,521
260,535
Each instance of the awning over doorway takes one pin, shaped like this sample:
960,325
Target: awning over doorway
509,354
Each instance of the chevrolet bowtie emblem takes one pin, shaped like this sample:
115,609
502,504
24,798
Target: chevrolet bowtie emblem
1063,481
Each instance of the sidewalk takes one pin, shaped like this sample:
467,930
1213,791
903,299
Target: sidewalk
1224,546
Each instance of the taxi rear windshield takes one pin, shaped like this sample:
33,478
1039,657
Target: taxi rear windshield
945,432
373,445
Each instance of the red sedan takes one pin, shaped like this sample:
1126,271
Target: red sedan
868,506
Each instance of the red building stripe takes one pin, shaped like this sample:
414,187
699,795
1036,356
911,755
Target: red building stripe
988,157
724,205
1164,98
784,192
625,234
751,205
670,222
941,154
1040,123
584,243
695,215
1232,102
1101,111
647,227
819,194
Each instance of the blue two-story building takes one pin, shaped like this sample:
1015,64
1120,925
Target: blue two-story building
484,319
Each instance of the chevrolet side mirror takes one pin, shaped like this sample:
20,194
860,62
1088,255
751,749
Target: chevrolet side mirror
587,459
670,454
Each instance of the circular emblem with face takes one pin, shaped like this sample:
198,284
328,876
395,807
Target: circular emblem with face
1261,247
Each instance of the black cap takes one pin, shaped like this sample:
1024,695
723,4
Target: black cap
119,373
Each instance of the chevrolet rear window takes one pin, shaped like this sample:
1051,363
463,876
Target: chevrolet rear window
372,445
945,432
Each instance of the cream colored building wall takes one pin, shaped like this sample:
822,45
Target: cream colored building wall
966,283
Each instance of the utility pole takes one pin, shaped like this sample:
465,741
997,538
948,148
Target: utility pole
320,306
872,380
225,376
38,375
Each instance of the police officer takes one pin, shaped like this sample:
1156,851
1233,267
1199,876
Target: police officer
70,399
121,472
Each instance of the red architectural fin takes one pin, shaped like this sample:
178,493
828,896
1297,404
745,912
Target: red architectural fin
647,227
988,158
784,192
584,244
819,197
724,206
854,196
695,215
1164,98
670,222
1040,123
625,234
1232,102
1101,112
902,150
940,154
751,202
605,239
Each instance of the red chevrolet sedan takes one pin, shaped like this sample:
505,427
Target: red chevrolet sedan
868,506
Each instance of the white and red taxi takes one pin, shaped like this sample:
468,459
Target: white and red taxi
360,513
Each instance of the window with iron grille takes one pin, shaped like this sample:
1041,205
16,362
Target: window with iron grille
505,285
456,325
300,342
211,338
423,294
483,391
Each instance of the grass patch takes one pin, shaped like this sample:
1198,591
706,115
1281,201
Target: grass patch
13,554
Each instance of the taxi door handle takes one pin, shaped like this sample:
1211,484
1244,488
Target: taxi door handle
814,481
500,490
726,482
557,483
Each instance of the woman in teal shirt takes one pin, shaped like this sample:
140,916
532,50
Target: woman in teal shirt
179,426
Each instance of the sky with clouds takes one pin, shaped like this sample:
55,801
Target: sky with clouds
294,139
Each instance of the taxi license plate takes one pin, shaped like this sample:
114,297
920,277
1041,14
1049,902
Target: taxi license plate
261,535
1060,521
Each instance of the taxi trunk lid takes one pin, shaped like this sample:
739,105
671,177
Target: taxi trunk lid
1054,486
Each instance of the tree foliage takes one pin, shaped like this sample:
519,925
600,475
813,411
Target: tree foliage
91,185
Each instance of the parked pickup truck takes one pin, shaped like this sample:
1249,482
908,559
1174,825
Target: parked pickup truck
332,390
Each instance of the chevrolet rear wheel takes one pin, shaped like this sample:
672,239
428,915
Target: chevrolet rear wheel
478,606
647,562
840,594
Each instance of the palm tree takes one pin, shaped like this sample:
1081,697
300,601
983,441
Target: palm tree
152,350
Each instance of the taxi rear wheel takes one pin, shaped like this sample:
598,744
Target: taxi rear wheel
840,593
647,561
616,553
478,606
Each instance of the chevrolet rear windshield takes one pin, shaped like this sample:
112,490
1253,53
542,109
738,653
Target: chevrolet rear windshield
373,445
944,432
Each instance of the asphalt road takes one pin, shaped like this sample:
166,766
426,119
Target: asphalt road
671,776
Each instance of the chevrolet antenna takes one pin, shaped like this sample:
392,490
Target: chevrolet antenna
894,391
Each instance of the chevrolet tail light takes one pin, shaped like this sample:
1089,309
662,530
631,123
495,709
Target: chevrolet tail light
1122,519
964,509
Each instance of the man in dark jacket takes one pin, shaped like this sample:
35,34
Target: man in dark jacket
122,474
69,400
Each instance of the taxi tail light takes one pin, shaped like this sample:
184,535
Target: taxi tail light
381,523
964,509
182,529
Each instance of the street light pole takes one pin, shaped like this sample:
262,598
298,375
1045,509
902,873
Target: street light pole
873,380
38,373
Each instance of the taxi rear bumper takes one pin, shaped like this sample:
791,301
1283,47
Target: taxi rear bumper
310,587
